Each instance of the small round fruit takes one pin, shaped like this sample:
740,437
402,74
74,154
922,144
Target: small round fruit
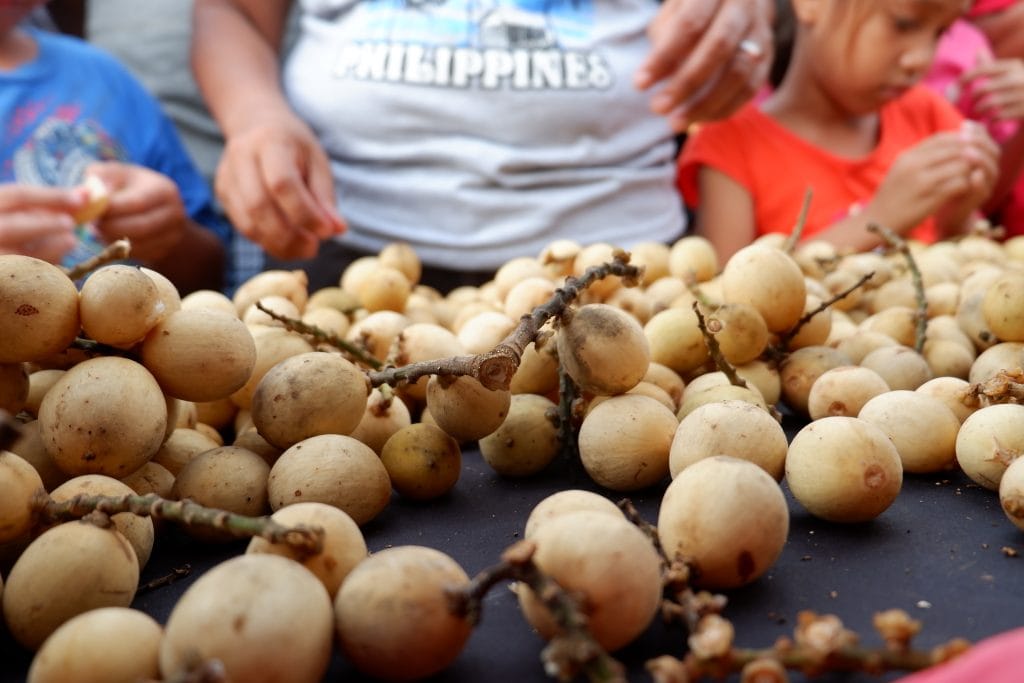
19,483
843,469
38,309
725,516
423,461
119,305
392,615
100,646
603,349
526,442
264,617
565,501
988,441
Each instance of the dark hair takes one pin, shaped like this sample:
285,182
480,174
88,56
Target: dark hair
785,34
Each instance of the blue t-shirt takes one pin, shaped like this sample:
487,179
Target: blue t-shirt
75,104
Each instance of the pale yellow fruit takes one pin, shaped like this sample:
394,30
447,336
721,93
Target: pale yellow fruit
988,441
1011,493
200,355
14,387
106,415
564,502
271,346
137,530
265,618
180,447
334,469
609,563
770,281
422,342
727,518
19,483
392,615
103,645
29,446
208,298
952,392
67,570
38,309
403,257
422,461
843,391
343,544
150,478
602,349
227,478
382,418
922,428
843,469
464,408
291,284
119,305
734,428
693,256
675,340
624,442
309,394
901,367
743,335
527,441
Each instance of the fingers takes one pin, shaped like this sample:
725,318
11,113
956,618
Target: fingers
19,197
702,71
674,32
43,234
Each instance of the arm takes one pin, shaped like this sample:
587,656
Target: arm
725,216
274,179
695,50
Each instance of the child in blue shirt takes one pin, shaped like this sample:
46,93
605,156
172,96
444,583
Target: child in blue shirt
69,110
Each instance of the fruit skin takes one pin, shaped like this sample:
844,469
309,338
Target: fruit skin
38,309
393,618
603,349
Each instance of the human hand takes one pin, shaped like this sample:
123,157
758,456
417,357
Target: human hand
996,90
712,55
275,183
36,221
145,207
950,172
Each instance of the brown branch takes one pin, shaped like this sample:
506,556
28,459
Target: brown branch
801,222
185,512
495,368
571,652
322,336
567,419
715,351
166,579
115,251
806,318
1006,386
921,314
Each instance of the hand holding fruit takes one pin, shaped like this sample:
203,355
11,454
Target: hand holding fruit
38,221
144,206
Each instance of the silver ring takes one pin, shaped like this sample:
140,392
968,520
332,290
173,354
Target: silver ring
750,48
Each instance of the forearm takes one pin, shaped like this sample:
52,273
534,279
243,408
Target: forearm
197,261
235,57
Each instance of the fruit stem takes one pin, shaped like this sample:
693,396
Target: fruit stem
322,336
185,512
806,318
798,230
569,653
715,351
115,251
921,313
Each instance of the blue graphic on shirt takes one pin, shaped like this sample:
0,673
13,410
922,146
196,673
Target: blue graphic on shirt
517,44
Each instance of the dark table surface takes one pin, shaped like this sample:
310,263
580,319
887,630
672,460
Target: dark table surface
937,552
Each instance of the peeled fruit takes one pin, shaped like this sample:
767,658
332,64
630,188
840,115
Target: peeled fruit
97,198
727,518
393,617
843,469
38,309
266,618
603,349
609,563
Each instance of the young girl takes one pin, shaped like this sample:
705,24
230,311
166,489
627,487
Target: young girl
848,123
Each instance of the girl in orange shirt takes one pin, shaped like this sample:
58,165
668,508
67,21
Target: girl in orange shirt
849,123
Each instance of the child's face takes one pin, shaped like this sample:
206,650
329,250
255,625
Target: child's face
868,52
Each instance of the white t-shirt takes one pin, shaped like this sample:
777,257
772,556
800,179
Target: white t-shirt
481,130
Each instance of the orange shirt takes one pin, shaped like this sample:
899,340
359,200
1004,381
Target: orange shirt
777,167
